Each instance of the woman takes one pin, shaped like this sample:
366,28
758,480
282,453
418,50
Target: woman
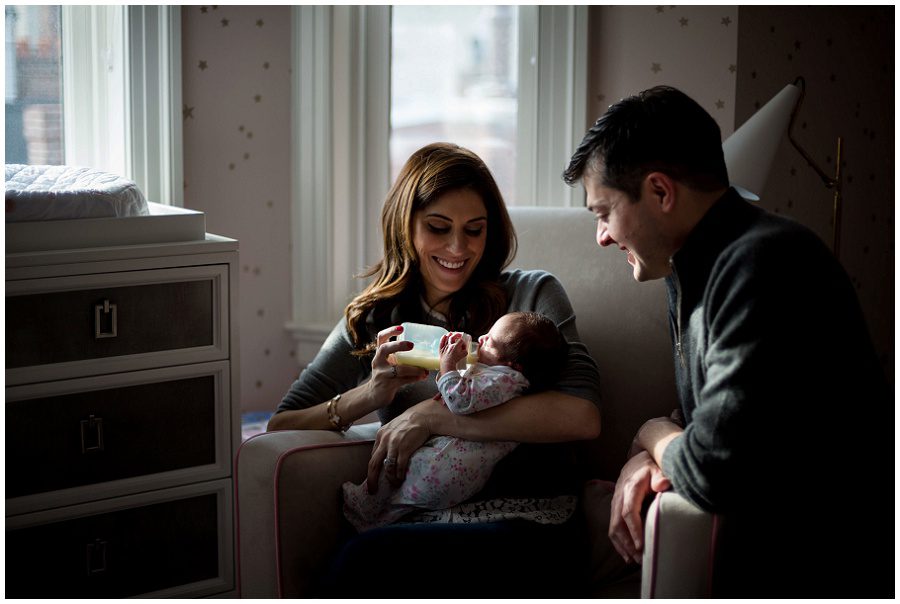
447,239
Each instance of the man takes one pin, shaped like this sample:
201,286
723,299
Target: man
785,423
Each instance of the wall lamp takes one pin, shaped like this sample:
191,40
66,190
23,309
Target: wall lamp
750,151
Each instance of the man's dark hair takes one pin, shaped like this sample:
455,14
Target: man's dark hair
660,129
537,347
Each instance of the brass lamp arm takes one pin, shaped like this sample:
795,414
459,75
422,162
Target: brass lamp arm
830,182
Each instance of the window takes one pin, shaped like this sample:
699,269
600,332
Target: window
97,86
357,116
454,77
34,127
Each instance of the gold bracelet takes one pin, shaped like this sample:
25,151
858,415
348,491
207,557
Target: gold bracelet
333,416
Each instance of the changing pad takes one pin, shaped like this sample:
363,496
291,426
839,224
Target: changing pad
39,193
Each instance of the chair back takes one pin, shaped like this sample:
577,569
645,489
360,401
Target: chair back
623,323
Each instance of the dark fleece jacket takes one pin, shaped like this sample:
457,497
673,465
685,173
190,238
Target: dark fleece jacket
783,399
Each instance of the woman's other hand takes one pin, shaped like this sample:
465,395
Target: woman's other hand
387,377
398,439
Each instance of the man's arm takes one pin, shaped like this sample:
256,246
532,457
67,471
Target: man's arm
641,476
655,435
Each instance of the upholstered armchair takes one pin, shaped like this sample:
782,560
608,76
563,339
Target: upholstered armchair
288,482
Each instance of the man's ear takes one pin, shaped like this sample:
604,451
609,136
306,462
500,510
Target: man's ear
661,188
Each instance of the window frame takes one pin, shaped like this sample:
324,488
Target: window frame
340,142
121,70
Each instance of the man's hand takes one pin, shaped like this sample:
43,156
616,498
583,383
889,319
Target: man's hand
639,478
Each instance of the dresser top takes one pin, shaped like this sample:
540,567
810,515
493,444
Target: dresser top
211,244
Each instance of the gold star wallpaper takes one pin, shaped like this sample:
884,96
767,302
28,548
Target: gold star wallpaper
693,48
236,96
846,56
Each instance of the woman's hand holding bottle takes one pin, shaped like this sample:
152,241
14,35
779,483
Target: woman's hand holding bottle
388,377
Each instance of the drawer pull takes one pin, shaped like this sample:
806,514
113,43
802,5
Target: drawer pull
91,434
101,312
96,557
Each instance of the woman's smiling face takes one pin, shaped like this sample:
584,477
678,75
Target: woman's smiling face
449,236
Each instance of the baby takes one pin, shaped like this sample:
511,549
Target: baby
522,350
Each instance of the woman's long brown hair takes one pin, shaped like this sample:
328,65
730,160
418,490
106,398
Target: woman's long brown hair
428,174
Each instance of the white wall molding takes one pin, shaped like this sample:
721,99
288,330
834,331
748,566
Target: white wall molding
361,128
95,100
311,181
122,94
552,101
155,102
341,94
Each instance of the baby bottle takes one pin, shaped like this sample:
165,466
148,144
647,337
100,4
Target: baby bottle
426,341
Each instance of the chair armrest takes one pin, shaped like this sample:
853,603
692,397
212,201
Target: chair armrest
288,504
679,549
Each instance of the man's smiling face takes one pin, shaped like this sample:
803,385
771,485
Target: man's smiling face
630,225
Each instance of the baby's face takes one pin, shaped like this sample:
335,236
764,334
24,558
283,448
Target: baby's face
490,345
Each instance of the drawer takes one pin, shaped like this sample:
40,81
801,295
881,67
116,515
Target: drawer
84,439
96,324
168,543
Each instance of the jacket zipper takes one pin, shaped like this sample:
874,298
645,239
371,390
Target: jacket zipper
679,348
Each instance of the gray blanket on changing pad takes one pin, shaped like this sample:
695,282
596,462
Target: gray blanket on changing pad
36,193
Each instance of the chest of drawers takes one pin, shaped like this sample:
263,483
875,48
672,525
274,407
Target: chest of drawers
121,420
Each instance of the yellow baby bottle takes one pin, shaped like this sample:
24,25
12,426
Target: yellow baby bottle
426,341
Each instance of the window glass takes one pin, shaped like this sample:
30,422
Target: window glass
34,133
454,78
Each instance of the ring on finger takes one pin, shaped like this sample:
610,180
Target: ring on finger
393,371
390,461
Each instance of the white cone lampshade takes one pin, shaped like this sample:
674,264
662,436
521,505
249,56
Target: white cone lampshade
750,150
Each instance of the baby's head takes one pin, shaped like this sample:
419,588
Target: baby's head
528,342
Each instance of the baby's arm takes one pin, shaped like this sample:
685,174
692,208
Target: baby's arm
453,348
481,389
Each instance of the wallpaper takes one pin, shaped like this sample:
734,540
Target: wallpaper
636,47
846,56
236,66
